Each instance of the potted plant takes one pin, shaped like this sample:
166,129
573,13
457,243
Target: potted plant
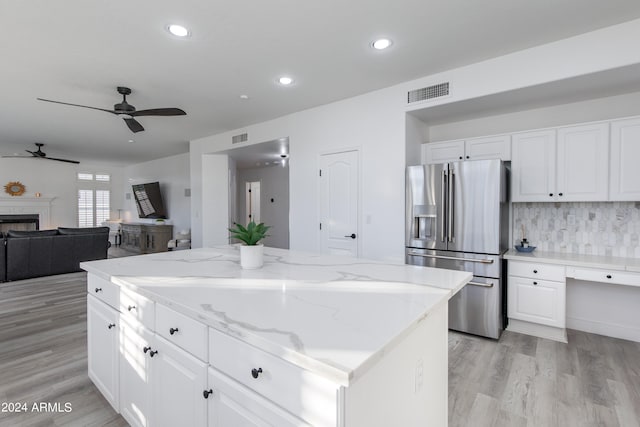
251,252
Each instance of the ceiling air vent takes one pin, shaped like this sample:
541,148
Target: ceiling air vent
429,92
243,137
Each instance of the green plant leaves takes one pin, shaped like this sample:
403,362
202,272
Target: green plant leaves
251,234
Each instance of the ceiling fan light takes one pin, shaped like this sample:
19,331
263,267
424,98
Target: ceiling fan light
178,30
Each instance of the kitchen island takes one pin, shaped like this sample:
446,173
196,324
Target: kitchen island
189,338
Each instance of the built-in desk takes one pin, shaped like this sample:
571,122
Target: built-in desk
603,295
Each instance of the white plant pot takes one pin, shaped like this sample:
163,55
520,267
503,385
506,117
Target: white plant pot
251,257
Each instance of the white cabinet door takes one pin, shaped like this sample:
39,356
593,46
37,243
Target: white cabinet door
231,404
102,348
582,155
625,153
488,147
444,152
135,375
179,381
533,165
536,301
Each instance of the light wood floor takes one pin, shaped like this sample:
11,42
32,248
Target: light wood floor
518,381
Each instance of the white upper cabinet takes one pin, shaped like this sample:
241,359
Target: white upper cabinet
533,166
569,164
625,154
444,152
582,153
488,147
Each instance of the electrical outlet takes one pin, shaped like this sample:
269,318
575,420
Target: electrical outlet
419,376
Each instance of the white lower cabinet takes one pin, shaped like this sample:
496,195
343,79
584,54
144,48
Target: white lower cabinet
102,348
178,381
232,404
135,372
536,299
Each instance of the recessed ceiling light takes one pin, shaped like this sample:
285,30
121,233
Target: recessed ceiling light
285,81
381,44
131,141
244,96
178,30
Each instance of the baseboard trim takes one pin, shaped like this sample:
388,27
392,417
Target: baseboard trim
540,331
607,329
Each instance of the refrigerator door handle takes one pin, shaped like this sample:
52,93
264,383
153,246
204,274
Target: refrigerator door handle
484,285
455,258
443,210
450,231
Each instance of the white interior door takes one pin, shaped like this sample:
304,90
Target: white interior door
252,205
339,203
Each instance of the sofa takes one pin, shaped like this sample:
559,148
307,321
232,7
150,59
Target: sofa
28,254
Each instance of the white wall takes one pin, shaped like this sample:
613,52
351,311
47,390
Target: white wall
274,184
375,123
174,177
51,179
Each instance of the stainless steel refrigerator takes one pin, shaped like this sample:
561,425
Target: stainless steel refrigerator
457,218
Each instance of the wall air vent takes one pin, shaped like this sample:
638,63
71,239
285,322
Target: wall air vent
243,137
429,92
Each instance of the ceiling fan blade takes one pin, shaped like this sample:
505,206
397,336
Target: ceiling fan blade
159,112
133,125
35,153
62,160
77,105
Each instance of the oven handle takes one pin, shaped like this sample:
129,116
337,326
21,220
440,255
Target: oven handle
484,285
481,261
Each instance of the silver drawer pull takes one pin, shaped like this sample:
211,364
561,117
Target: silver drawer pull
484,285
481,261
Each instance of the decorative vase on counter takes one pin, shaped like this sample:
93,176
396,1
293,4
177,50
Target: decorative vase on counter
251,257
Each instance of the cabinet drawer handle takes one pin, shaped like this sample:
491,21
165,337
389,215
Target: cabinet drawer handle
460,157
145,349
535,283
111,325
560,194
131,307
206,393
608,276
535,271
173,330
98,290
153,353
550,194
256,372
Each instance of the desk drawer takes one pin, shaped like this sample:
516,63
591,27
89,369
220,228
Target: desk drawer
537,270
605,276
183,331
137,307
301,392
104,290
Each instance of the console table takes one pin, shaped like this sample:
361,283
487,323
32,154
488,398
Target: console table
146,238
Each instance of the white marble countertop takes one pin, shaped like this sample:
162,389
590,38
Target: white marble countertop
334,316
577,260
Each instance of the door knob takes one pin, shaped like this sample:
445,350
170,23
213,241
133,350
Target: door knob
353,235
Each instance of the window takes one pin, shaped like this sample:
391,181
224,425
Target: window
93,199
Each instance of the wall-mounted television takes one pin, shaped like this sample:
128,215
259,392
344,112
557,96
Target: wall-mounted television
149,200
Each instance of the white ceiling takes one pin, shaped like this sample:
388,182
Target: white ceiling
78,51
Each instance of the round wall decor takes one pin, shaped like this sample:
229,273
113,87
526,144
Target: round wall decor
15,188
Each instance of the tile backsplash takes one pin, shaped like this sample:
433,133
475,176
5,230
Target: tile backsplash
594,228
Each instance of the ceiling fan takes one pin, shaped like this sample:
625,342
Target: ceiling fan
128,111
39,154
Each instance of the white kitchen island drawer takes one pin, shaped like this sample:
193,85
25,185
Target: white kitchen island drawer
137,307
104,290
537,270
605,276
297,390
183,331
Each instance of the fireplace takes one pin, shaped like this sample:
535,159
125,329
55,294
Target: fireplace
19,222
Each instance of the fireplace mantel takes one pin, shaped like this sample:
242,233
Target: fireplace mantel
28,205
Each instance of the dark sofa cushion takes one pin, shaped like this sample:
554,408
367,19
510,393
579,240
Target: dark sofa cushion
29,257
86,230
31,233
